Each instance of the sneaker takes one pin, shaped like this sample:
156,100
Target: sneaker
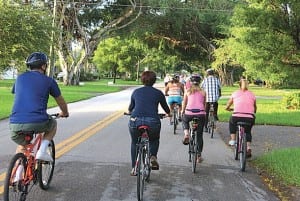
133,172
171,123
231,142
154,163
199,159
44,156
19,173
248,154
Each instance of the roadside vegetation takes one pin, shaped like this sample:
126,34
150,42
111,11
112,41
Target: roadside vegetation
283,163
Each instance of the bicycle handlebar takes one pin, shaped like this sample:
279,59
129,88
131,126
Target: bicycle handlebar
57,115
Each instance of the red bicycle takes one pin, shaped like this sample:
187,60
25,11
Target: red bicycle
24,170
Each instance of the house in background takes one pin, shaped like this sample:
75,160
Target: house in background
8,74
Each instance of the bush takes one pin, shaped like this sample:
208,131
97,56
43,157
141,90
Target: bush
291,101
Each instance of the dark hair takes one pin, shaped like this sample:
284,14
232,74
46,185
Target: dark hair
148,78
36,60
195,79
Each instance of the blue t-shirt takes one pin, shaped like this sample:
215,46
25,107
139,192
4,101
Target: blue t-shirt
145,101
32,91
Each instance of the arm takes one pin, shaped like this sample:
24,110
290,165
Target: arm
229,103
167,89
182,88
184,103
63,106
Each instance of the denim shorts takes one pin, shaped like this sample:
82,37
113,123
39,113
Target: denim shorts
45,126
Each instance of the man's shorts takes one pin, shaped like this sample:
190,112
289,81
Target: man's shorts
45,126
174,99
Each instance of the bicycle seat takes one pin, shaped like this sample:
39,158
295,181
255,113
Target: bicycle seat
242,123
28,135
143,127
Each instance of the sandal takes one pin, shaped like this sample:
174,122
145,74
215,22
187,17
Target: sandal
186,140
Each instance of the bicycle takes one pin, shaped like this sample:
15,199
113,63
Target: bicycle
240,147
142,167
24,170
211,124
193,148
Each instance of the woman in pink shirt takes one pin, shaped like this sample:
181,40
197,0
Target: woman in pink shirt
194,106
244,109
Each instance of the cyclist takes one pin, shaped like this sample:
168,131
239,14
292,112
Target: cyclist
194,106
212,86
244,102
143,107
29,112
174,90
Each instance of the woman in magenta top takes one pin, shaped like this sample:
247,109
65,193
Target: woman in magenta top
194,106
244,109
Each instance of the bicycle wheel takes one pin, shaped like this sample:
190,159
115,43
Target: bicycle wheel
140,176
194,152
147,165
212,125
236,146
14,188
194,155
46,168
243,152
175,122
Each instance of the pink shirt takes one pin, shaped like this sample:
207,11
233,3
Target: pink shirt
196,102
243,102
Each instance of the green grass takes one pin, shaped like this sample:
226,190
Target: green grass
282,164
70,93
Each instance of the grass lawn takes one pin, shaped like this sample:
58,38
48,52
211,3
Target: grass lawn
284,163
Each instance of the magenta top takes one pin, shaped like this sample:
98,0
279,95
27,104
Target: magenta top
195,104
243,103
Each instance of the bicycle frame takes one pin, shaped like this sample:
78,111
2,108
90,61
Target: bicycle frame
30,152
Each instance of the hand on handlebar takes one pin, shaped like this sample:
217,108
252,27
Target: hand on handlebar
229,109
62,114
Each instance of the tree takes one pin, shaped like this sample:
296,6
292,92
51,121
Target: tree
24,29
264,39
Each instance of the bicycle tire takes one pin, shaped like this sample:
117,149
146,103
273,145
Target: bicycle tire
147,165
236,146
15,190
194,153
243,153
174,121
45,168
212,129
139,169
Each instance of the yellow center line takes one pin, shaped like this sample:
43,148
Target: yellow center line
68,144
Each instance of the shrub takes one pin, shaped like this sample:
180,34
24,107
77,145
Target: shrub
291,101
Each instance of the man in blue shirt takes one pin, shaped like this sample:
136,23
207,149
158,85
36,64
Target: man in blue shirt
29,112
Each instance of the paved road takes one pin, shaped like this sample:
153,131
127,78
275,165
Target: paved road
98,167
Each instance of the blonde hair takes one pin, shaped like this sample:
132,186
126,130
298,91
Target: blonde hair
244,84
194,88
